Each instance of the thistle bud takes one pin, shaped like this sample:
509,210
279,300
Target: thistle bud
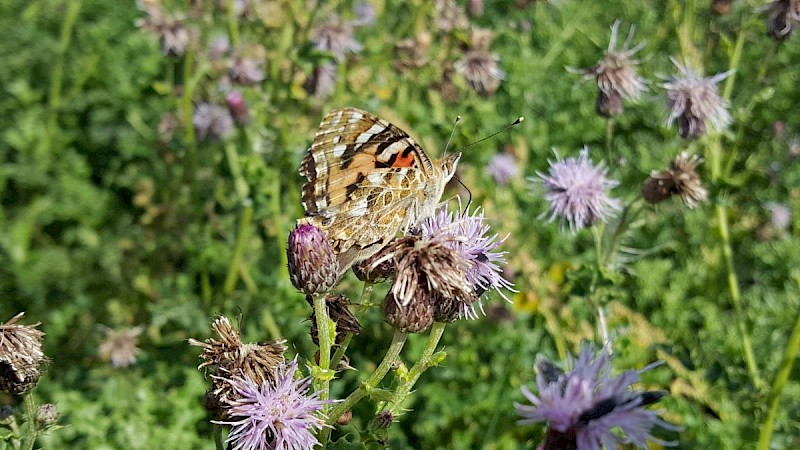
384,419
47,414
313,267
238,107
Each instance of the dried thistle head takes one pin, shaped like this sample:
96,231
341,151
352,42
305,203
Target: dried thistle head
784,17
228,356
616,75
414,317
339,312
449,16
21,356
680,178
120,346
376,268
693,100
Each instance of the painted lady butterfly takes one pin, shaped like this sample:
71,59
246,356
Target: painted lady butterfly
367,180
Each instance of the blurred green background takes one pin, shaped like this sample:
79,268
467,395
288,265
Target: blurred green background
115,212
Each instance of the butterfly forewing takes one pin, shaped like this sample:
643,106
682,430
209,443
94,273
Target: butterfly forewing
366,180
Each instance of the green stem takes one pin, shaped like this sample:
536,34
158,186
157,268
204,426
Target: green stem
217,431
423,364
233,24
609,141
340,351
781,376
187,111
325,343
32,424
392,354
238,250
733,286
56,79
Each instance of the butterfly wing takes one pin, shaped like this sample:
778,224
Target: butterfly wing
365,178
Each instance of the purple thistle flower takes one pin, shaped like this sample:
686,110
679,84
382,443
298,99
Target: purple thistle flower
577,191
586,406
279,416
211,121
503,168
694,100
467,234
366,15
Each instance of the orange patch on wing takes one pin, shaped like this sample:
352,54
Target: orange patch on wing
404,161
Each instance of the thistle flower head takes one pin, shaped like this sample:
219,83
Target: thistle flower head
247,70
313,266
171,30
278,415
322,81
503,168
449,16
680,178
228,355
238,107
481,69
335,37
211,121
586,406
783,18
693,100
20,356
577,191
120,346
616,74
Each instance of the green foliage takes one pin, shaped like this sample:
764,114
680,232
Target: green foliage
113,211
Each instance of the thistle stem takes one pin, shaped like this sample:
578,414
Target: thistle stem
325,342
398,341
733,286
238,249
423,364
217,431
32,425
781,376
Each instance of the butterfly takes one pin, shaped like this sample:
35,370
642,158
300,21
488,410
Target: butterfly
367,181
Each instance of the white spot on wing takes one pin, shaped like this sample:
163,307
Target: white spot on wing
355,117
338,150
360,208
375,178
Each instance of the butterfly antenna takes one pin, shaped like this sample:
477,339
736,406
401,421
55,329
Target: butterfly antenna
452,132
516,122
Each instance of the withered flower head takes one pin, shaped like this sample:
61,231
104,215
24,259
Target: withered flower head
322,81
415,317
247,70
413,53
170,29
339,312
694,100
313,266
616,75
721,7
228,356
680,178
120,347
20,356
376,268
482,71
335,37
784,17
449,16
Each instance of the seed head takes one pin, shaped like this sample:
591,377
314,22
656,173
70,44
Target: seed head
449,16
616,75
335,37
171,30
577,191
229,356
680,178
784,17
21,356
120,346
313,266
482,71
414,317
693,100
